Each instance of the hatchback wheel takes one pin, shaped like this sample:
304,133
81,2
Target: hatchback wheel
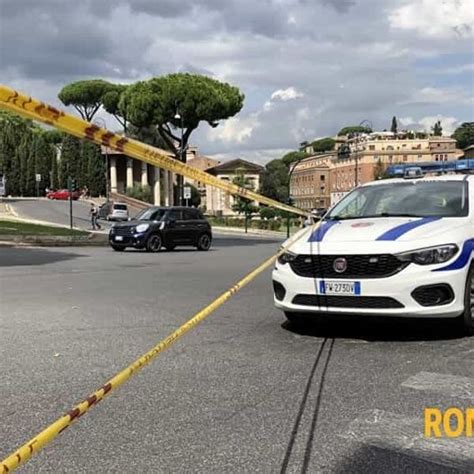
204,242
466,320
153,244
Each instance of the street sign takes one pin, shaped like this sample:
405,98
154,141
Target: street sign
187,192
38,178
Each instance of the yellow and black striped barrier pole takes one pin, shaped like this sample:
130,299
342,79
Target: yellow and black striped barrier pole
34,445
34,109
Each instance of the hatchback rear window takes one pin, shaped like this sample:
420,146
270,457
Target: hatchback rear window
120,207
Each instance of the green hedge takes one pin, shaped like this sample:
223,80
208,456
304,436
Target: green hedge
142,193
253,224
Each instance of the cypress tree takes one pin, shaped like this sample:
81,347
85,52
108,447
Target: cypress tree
96,170
394,127
44,152
54,184
70,160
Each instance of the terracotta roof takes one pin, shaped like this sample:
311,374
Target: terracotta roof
234,165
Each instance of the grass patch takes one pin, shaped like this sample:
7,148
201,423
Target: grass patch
24,228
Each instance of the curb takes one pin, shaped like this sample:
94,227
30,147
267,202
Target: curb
251,232
91,240
10,211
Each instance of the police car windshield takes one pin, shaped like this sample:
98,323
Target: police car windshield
408,199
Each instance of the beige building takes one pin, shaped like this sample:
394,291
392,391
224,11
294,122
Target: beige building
219,202
125,172
372,153
310,182
202,163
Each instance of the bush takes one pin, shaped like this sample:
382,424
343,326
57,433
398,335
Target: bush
271,224
267,212
142,193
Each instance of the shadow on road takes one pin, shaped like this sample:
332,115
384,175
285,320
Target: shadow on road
244,241
375,459
370,328
13,257
218,243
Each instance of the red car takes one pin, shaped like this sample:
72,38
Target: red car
63,195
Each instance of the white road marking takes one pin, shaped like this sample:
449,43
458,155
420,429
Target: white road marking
453,386
404,435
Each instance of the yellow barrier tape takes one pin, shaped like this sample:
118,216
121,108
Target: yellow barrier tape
25,452
34,109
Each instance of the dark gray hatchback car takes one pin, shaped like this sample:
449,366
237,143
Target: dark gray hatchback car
158,227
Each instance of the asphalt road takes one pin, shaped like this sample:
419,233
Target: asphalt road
56,212
242,392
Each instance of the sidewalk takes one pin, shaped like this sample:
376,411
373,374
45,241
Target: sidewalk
251,232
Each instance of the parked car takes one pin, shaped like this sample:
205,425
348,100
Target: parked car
396,247
157,227
63,194
118,212
319,212
104,210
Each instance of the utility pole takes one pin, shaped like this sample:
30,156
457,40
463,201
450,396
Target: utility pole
69,186
290,200
357,135
101,122
179,116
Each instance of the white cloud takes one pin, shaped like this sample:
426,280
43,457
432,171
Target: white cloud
287,94
449,124
239,130
436,18
439,95
235,130
257,156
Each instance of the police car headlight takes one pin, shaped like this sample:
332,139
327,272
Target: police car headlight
430,256
286,257
142,227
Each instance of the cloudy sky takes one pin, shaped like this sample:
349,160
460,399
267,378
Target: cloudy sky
307,67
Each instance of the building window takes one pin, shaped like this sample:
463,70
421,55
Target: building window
322,177
371,147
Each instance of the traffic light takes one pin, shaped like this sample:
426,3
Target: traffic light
73,185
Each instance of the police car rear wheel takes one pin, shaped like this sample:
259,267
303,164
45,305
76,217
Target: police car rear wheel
466,320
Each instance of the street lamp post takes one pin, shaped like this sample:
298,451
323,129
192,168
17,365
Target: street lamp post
288,184
101,122
368,124
180,117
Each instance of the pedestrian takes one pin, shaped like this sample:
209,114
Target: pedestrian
308,222
94,213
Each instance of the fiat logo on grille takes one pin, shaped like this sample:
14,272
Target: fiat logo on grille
340,265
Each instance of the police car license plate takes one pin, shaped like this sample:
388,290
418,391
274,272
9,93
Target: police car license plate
118,238
339,287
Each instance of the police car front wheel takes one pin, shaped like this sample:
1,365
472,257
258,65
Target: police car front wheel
466,320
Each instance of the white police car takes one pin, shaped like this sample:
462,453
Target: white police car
400,247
